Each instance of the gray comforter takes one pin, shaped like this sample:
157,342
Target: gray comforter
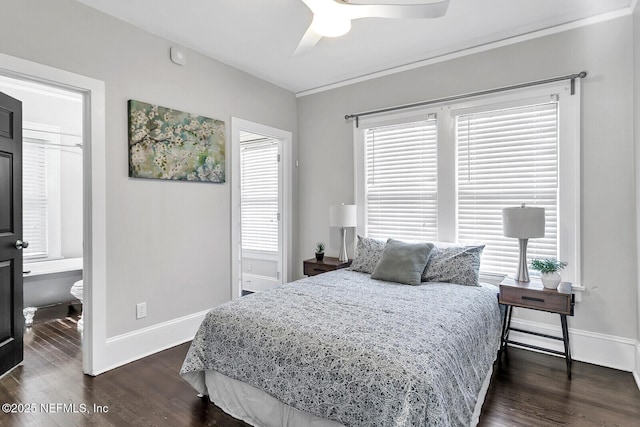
355,350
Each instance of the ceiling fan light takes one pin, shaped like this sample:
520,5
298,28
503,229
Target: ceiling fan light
330,25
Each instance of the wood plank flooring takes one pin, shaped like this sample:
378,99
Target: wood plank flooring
528,389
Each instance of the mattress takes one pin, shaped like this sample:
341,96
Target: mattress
343,347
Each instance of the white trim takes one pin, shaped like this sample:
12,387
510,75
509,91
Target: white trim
286,137
478,49
636,372
591,347
569,165
94,351
135,345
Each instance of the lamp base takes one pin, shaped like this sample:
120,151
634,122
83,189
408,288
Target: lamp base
343,250
522,275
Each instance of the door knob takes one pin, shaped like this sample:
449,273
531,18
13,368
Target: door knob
22,244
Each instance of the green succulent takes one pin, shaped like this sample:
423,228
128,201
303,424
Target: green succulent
548,265
320,247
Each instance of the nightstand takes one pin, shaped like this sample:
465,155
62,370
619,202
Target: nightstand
313,266
533,295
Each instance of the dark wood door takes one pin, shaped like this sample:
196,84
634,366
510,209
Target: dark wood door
11,319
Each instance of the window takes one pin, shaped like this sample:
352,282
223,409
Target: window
401,178
41,191
507,157
259,204
34,190
444,173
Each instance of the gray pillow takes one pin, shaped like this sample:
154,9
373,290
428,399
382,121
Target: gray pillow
402,262
368,253
455,264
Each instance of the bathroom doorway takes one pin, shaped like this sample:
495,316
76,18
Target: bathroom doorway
261,206
52,183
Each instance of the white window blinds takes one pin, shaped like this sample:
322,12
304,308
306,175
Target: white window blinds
34,194
401,181
259,195
505,158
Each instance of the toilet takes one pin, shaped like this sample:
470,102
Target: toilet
76,291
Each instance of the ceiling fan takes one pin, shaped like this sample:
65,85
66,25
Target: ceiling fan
332,18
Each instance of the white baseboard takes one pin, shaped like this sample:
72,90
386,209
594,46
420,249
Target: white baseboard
129,347
636,372
591,347
599,349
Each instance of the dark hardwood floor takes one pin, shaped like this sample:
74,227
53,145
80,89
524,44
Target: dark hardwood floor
532,389
528,389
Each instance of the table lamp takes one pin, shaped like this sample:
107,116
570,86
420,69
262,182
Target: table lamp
342,216
523,223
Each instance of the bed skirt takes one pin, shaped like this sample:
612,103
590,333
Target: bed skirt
259,409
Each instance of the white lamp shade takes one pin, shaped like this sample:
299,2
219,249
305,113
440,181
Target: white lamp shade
523,222
342,215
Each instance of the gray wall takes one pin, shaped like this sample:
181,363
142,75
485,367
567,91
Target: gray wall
168,242
605,51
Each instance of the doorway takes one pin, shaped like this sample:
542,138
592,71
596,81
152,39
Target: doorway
261,206
95,357
52,199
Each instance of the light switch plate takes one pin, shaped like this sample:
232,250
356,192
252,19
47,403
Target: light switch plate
141,310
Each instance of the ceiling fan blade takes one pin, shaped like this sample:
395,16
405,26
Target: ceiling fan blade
309,40
407,11
316,5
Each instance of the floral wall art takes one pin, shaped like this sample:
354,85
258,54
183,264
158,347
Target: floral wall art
171,144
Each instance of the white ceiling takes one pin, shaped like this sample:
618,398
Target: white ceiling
259,36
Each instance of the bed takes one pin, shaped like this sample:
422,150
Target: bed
343,348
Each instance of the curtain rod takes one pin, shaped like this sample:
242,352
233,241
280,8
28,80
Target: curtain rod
75,135
571,77
46,143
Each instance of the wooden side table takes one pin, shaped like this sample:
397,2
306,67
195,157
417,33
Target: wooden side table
533,295
313,266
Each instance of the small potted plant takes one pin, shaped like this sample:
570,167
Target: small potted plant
319,251
549,271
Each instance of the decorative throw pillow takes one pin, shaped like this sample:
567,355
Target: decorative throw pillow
455,264
368,253
402,262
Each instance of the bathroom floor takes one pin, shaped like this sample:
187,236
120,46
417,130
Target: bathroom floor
60,311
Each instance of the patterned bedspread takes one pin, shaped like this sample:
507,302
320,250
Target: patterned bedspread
355,350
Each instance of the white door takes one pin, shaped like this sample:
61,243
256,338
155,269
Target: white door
260,206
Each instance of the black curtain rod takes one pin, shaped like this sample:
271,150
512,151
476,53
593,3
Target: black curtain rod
571,77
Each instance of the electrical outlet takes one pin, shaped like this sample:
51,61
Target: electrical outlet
141,310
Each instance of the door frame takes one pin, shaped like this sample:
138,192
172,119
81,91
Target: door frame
94,349
238,125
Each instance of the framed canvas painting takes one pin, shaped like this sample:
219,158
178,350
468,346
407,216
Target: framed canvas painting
174,145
